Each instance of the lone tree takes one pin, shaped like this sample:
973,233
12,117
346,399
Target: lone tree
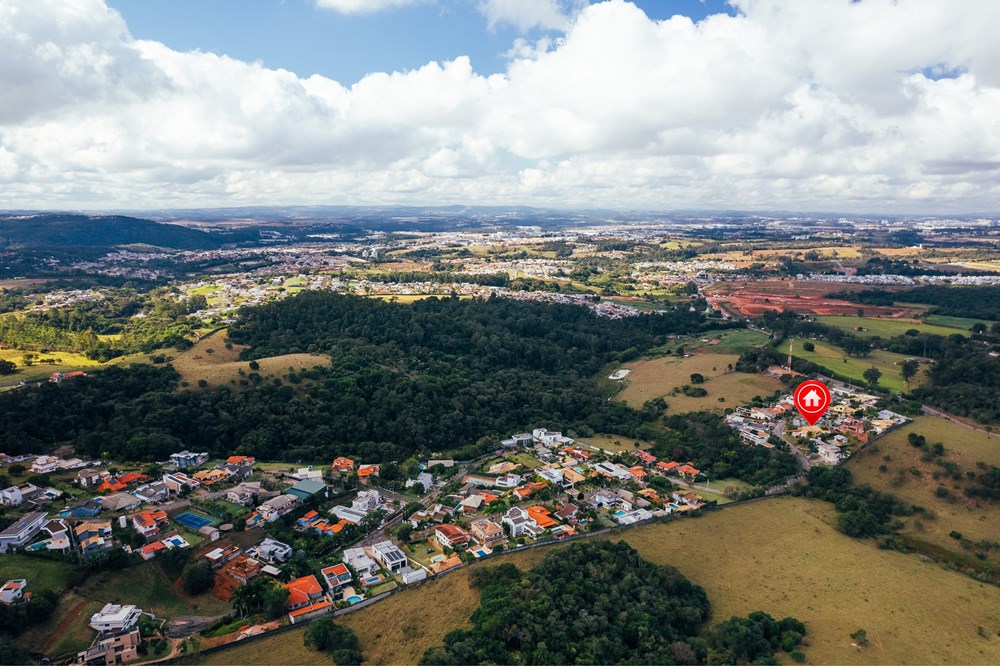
908,369
872,375
697,378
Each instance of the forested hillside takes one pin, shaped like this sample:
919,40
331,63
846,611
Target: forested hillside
435,376
600,603
64,229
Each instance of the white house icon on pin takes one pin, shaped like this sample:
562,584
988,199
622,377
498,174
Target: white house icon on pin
812,399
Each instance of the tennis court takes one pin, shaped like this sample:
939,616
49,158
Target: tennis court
194,521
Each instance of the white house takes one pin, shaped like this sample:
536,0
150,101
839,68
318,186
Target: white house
277,507
18,533
11,496
520,523
45,464
509,481
271,550
13,591
115,617
360,561
188,459
389,555
368,500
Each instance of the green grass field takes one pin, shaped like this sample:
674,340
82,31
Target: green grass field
738,341
145,585
42,574
965,323
69,361
885,327
780,555
976,520
836,360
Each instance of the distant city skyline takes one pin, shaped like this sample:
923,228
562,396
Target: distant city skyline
806,105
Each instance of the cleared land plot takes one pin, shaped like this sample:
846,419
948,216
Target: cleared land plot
974,519
147,587
836,360
67,631
884,327
615,443
653,378
779,555
220,366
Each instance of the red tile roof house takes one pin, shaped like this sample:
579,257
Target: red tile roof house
148,522
668,467
644,457
342,464
149,551
689,471
132,478
451,537
306,599
337,577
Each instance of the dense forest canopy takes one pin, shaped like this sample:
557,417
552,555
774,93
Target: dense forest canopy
435,376
570,610
600,603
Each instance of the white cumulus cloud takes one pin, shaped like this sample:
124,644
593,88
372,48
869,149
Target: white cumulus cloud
527,14
878,105
363,6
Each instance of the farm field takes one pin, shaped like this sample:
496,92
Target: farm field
837,361
656,377
220,366
885,327
965,323
70,361
975,520
780,555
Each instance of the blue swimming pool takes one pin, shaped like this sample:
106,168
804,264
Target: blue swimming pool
354,599
481,553
372,580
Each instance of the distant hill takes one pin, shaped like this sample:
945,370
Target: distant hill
71,230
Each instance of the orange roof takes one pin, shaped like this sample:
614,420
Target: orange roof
241,459
128,478
153,547
302,589
343,463
336,570
310,514
667,466
111,484
316,606
150,517
637,471
452,533
523,492
488,497
368,470
541,516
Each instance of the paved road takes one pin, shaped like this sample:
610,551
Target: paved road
779,430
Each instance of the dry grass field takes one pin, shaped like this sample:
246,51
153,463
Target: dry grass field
652,378
974,519
780,555
209,360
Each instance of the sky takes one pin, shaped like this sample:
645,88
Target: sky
876,106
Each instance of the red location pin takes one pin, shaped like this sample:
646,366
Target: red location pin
812,400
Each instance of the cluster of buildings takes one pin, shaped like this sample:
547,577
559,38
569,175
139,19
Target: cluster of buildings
852,420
